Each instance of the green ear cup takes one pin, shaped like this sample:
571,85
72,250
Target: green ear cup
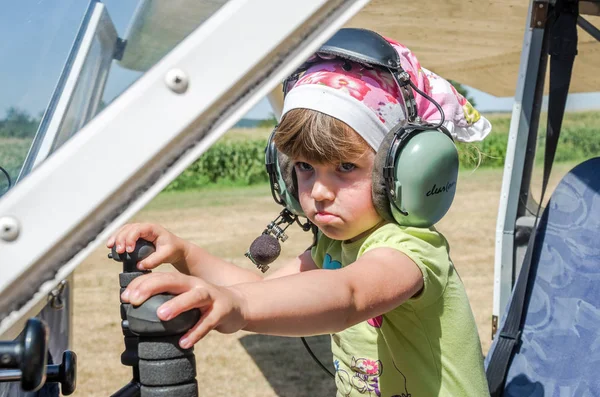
426,171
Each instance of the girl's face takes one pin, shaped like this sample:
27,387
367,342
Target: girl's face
337,197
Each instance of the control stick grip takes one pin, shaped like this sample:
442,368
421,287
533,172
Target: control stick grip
143,249
165,368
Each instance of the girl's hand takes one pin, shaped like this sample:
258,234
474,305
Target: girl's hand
169,247
221,308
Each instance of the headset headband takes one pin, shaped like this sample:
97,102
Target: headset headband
369,49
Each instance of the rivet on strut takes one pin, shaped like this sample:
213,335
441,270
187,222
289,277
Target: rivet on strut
177,80
9,228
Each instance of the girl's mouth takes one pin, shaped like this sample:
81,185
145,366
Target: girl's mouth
325,217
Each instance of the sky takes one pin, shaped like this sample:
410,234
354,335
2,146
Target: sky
38,34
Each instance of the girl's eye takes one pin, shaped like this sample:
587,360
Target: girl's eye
347,167
302,166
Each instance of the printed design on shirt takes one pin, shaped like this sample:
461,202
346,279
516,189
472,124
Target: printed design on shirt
329,263
365,378
376,322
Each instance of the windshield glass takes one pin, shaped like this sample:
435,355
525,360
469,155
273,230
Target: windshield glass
67,60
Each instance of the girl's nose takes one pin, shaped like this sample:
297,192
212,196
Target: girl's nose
321,191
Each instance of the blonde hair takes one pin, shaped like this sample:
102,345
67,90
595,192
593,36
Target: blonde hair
315,136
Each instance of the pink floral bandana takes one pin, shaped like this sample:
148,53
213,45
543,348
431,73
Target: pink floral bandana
370,102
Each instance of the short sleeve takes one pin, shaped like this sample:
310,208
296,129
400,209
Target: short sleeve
427,248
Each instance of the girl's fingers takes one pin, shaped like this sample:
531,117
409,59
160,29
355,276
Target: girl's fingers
130,237
121,237
195,298
206,324
190,294
126,238
144,231
112,239
153,260
143,287
162,253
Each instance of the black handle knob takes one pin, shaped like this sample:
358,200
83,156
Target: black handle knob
65,373
29,353
34,354
143,248
143,320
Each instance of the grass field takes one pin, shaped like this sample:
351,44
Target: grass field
579,140
225,221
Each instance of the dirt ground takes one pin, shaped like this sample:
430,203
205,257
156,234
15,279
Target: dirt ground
245,364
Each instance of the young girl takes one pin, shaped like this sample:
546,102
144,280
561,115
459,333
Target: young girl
389,295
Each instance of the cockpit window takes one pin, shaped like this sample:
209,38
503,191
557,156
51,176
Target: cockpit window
63,62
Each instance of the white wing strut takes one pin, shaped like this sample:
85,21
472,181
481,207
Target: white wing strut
110,169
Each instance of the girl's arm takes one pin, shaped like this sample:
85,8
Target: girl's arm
301,263
187,258
202,264
191,259
220,272
300,304
328,301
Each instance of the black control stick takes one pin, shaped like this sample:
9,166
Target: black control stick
142,250
160,367
129,357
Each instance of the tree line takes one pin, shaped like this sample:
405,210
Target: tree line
18,123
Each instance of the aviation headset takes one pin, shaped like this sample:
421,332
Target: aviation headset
416,166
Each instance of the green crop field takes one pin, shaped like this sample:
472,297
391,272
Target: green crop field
237,159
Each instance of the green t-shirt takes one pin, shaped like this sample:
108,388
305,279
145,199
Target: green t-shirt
428,346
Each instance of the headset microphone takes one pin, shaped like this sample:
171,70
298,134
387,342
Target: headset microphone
266,248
